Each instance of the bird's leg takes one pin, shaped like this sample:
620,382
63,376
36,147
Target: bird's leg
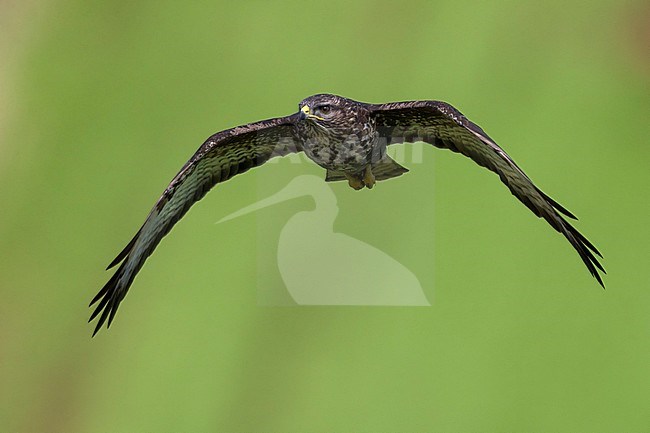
368,177
355,182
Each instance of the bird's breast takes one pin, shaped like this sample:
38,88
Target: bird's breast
350,151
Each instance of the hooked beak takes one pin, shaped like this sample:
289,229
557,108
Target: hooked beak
305,113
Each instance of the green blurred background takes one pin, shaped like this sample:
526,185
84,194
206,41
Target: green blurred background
102,102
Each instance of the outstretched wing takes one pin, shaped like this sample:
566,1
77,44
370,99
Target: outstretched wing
221,157
443,126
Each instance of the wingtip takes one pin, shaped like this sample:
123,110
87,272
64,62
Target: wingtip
115,261
98,326
100,322
585,249
109,298
564,211
594,270
95,299
125,252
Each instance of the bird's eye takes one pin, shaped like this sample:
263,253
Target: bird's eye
324,109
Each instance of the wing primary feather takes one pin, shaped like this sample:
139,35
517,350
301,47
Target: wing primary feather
589,244
583,247
111,282
122,255
101,320
557,205
99,307
115,303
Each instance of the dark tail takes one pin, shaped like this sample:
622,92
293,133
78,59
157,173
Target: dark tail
386,168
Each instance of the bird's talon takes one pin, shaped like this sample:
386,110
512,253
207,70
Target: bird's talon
368,177
354,182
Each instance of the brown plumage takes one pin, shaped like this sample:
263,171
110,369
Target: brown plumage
349,139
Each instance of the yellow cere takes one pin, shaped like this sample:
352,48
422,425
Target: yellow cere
305,109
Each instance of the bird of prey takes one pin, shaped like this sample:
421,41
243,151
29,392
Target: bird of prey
348,139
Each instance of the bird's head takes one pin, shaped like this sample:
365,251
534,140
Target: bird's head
329,111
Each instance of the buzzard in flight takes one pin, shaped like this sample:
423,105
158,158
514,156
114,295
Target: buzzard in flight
348,139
